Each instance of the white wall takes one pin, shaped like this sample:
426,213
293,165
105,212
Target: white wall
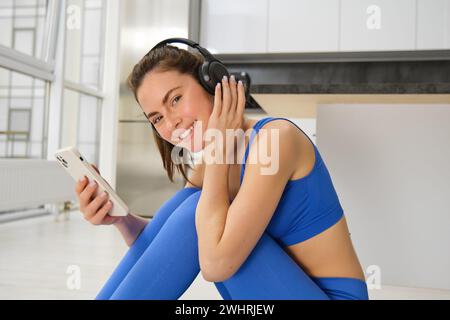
391,168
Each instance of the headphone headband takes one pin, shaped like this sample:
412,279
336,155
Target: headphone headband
210,72
189,42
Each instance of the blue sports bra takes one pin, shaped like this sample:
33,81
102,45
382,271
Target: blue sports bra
308,206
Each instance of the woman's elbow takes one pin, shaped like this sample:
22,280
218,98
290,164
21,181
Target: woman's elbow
214,276
210,276
216,272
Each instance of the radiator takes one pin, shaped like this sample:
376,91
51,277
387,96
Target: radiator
26,183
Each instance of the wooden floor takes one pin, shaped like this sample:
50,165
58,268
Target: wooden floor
36,254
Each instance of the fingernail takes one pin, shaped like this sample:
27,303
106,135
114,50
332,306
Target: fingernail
93,183
225,78
82,179
232,78
104,194
240,82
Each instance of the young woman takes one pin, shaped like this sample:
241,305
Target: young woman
256,236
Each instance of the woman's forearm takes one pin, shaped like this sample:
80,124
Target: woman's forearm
130,227
211,212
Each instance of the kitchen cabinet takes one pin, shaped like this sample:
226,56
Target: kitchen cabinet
286,26
377,25
433,24
234,26
303,25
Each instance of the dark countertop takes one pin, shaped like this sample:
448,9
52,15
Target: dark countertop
353,88
415,73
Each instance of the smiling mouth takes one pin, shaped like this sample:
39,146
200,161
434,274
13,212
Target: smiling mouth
187,132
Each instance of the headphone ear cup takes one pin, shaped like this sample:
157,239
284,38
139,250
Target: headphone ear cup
211,73
217,71
203,76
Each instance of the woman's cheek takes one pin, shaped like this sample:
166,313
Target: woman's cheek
166,136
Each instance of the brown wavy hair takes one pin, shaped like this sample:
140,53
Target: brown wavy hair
166,58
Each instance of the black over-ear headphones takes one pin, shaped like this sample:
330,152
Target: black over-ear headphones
210,72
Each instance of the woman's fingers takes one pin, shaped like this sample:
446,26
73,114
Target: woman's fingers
95,205
99,216
233,94
87,194
226,100
95,210
80,185
217,101
240,99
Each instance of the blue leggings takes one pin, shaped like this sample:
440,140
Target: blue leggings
163,262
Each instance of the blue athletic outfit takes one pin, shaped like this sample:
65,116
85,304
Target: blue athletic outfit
308,205
163,261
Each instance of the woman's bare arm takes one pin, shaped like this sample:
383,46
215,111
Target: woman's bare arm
130,227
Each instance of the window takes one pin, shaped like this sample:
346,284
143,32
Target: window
84,49
22,115
80,125
51,78
85,20
23,25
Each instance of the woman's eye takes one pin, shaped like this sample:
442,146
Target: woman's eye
176,98
154,121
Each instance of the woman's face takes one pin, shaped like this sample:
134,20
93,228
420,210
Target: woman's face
175,102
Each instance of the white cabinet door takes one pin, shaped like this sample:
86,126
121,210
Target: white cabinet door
234,26
374,25
433,24
303,25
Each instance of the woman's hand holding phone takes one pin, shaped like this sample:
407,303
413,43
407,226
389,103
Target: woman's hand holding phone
94,209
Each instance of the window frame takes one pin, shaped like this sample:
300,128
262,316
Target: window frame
50,68
39,68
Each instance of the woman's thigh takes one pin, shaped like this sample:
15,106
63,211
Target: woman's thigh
270,273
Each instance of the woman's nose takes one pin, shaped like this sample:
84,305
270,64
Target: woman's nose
172,122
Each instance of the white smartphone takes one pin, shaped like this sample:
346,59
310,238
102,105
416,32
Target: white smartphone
76,165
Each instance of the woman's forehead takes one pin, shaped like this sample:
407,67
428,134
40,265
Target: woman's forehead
156,85
164,77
